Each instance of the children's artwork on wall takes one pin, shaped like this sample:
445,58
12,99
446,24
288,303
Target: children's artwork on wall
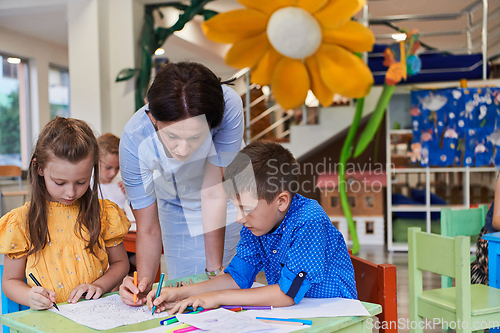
457,126
106,313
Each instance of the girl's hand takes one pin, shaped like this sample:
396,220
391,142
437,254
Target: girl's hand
127,290
168,298
93,292
40,298
206,300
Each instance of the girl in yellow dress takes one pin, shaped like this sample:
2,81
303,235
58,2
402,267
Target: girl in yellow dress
70,240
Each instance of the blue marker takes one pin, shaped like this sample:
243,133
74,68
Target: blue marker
158,290
197,309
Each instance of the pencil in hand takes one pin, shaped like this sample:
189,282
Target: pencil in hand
135,284
32,277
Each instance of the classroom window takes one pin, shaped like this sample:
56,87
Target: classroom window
333,201
369,227
336,224
59,92
9,68
369,201
14,115
352,201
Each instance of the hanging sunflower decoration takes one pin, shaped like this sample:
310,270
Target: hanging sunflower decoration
296,46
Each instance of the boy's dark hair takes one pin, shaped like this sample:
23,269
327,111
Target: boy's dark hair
108,144
263,168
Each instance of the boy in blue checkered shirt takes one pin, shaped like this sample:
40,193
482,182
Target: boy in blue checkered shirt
286,234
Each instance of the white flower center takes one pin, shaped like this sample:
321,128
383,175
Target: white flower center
294,32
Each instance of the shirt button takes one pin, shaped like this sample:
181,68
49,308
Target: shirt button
301,275
274,251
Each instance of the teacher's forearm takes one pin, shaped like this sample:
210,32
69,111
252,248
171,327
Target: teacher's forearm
214,248
148,241
214,222
148,253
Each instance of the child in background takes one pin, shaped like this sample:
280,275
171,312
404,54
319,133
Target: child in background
109,166
290,236
69,239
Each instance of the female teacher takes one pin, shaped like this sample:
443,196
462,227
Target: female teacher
173,152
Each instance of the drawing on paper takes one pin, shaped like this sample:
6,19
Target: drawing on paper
106,313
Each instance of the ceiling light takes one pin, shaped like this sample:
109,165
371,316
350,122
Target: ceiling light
12,60
159,51
399,37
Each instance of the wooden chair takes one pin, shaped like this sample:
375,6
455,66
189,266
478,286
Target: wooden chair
378,284
471,307
461,222
11,172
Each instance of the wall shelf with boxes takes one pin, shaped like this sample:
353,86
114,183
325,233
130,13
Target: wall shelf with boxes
416,195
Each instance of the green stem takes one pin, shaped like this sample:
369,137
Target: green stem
375,120
345,154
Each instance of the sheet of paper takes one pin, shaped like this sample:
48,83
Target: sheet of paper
314,308
224,321
276,329
106,312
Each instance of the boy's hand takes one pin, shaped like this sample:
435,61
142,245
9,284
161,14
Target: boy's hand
127,290
168,298
206,300
40,298
93,292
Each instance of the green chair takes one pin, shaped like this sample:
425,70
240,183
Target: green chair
464,307
461,222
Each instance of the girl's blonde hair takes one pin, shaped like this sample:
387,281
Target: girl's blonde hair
71,140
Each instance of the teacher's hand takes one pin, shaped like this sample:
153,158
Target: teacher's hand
128,289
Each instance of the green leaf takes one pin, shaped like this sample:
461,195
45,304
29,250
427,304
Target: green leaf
375,120
208,14
126,74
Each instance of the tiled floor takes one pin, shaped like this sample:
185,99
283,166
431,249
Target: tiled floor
379,255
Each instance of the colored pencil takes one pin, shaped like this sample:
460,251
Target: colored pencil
229,307
38,284
302,321
236,309
135,284
281,322
158,291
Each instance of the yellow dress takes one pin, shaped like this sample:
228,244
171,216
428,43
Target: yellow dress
64,263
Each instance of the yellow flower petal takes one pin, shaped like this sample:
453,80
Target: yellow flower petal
343,72
338,12
264,6
312,6
318,87
261,74
246,53
235,25
286,3
353,36
290,83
